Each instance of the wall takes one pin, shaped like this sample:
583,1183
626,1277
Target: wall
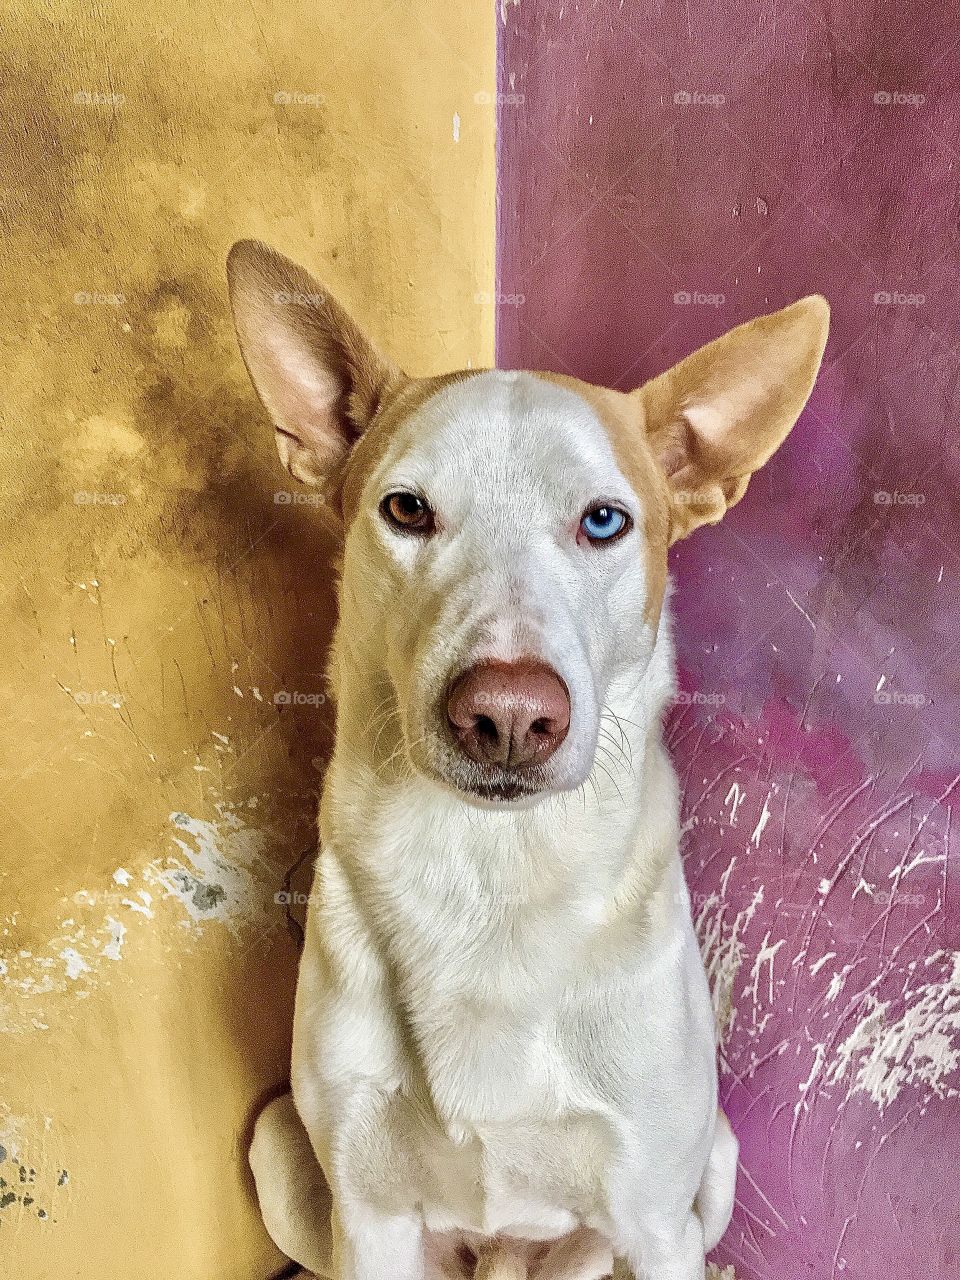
165,614
667,172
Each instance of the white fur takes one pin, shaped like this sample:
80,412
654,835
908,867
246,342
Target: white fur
502,1019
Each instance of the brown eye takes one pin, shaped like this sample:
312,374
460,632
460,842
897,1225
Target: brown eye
407,512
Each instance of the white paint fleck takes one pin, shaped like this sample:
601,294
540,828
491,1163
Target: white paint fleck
818,964
765,956
761,823
456,126
114,946
75,963
143,906
837,983
216,878
735,798
121,876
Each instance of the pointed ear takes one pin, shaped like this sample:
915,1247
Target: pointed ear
717,416
319,377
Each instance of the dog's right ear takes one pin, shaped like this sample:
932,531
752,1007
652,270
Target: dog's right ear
318,375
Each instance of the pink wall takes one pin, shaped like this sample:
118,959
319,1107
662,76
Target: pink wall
741,155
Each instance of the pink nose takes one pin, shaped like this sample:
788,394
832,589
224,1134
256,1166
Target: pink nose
509,713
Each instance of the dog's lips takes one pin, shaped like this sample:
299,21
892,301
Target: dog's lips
493,784
504,791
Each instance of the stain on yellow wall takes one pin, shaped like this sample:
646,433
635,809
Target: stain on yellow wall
167,598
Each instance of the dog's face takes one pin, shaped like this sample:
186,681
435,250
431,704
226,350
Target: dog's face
498,549
505,534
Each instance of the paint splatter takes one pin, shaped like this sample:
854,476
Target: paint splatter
911,1042
723,950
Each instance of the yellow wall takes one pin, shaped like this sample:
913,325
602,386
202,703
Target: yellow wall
147,971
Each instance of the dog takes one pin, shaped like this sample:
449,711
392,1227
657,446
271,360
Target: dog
504,1042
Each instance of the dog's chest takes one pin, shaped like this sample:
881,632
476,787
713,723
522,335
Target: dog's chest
482,991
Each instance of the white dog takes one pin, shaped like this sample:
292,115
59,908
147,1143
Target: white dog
504,1052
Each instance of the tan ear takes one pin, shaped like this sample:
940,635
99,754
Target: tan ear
318,375
717,416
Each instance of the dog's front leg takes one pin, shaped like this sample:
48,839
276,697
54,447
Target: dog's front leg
659,1250
371,1245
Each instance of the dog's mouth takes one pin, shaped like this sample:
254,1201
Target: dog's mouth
502,790
485,784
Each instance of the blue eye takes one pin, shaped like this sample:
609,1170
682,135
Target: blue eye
604,524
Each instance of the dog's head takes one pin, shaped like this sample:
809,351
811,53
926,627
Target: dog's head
506,534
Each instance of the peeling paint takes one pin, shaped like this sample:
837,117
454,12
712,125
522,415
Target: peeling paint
26,1182
219,873
219,878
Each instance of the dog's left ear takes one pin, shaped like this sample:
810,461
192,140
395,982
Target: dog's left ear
717,416
318,375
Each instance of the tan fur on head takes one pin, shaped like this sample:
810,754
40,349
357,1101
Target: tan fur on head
689,439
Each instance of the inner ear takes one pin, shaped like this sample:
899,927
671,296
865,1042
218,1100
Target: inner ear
717,416
316,372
